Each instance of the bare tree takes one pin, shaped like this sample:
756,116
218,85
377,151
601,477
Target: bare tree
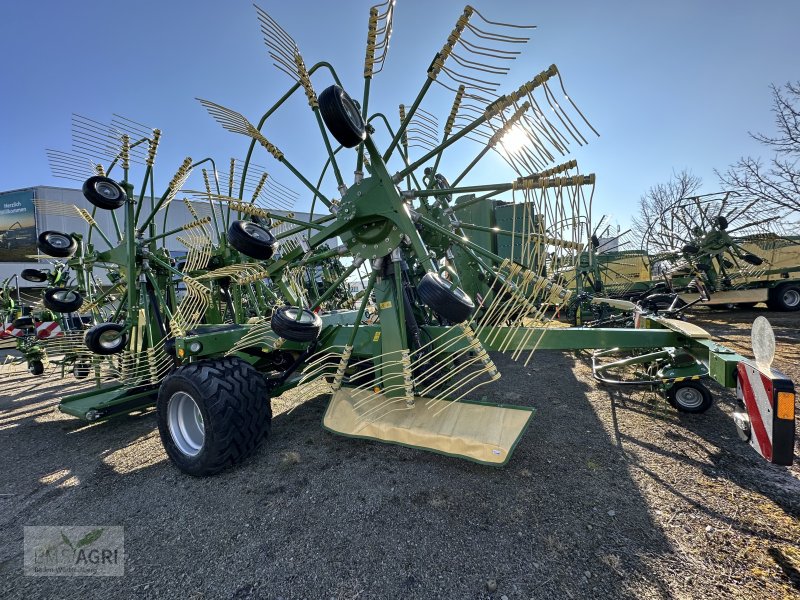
658,226
777,183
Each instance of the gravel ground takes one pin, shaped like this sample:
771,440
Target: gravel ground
608,496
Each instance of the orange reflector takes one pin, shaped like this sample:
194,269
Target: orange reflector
785,405
181,352
376,389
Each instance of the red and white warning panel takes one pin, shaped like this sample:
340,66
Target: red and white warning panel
769,399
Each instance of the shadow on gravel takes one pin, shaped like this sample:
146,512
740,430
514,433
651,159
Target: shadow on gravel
314,515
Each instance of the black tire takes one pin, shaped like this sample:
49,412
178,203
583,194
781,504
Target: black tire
106,338
81,370
233,403
62,300
785,297
57,244
752,259
690,397
34,275
35,367
746,305
23,323
252,239
725,306
454,305
284,322
104,193
690,249
342,117
721,222
661,301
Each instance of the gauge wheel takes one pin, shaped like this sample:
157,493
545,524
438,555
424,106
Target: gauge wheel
106,338
23,323
342,117
296,324
104,193
35,367
57,244
62,300
451,304
34,275
81,370
690,397
252,239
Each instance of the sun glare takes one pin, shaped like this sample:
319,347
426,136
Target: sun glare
514,140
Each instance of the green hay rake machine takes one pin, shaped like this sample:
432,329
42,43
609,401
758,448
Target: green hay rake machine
37,324
265,302
743,260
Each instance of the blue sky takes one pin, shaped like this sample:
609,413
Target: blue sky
669,85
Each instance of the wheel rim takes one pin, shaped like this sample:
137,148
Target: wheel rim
107,190
64,296
689,397
58,241
110,339
185,422
256,232
791,298
305,317
351,111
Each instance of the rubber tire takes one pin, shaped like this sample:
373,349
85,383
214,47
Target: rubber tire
234,401
61,306
777,300
93,335
454,305
690,249
706,403
106,202
342,117
250,245
289,327
23,323
35,367
34,275
752,259
43,244
81,370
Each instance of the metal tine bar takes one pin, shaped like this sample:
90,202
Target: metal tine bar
421,127
470,64
537,143
490,52
425,139
142,129
556,134
575,106
280,34
568,124
89,141
275,37
278,65
496,37
468,79
95,130
500,24
283,187
540,124
276,50
431,118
